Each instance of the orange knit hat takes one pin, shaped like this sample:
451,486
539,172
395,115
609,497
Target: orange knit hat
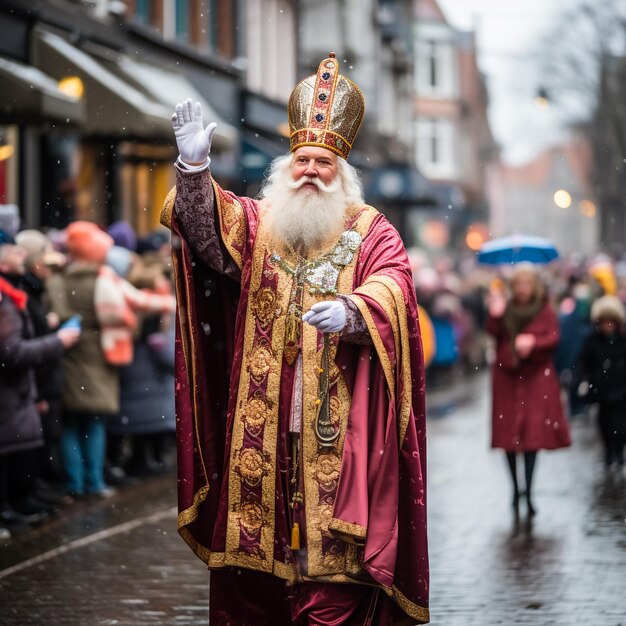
87,242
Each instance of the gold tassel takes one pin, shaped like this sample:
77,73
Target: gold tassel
295,537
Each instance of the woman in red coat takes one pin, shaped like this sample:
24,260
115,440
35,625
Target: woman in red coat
527,411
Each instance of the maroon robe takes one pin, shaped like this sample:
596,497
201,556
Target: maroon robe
370,517
527,412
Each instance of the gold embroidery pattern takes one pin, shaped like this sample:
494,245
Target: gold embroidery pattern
260,362
252,466
327,469
412,609
265,306
255,415
346,528
251,516
190,514
388,368
326,515
335,409
258,556
387,292
232,223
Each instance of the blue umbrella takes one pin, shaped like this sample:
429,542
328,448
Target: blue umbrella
517,249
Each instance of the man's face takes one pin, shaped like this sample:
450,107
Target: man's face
12,259
314,162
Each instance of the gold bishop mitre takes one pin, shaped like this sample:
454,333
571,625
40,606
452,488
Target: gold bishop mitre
326,110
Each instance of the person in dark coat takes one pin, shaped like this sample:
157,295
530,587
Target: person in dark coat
20,352
147,412
40,260
527,414
575,326
603,365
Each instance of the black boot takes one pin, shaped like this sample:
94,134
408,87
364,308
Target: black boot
529,466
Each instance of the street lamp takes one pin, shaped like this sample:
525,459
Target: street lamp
562,199
72,86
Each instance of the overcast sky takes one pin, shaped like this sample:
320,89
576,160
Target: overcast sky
509,32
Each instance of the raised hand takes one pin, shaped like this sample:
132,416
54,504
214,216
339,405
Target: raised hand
524,344
192,139
328,316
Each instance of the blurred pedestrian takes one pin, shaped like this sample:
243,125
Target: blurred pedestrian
574,327
123,235
147,415
20,423
445,314
527,414
90,383
40,260
603,364
107,306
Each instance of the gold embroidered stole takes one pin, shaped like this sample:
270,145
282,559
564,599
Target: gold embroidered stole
250,531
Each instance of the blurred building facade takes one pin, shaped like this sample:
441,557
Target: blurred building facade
606,131
454,144
96,142
551,196
87,88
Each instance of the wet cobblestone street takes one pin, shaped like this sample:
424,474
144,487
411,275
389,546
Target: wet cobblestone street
121,562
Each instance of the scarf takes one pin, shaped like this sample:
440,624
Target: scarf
518,316
19,297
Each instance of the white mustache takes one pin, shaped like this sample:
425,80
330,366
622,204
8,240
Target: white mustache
330,188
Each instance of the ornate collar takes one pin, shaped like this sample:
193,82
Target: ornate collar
321,274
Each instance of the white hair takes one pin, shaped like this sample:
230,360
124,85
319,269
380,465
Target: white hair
303,219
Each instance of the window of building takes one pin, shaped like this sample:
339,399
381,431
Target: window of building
211,21
182,20
176,19
435,147
435,68
142,11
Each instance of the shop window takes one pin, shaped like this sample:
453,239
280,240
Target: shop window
8,164
435,147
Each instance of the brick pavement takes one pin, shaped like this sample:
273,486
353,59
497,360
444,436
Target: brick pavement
568,567
122,563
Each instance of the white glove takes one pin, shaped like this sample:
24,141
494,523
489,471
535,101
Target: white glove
327,317
192,139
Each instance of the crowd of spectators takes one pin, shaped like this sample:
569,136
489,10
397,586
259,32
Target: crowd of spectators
87,361
587,296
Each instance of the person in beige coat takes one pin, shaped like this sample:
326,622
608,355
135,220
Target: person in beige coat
91,387
90,384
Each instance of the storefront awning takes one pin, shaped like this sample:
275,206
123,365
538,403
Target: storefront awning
169,88
27,95
124,98
401,184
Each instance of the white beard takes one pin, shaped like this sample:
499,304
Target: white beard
303,218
